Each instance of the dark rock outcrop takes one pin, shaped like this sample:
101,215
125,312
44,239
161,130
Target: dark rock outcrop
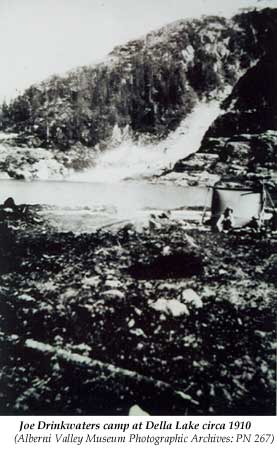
244,138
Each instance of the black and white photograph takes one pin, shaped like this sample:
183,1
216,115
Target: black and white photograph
138,207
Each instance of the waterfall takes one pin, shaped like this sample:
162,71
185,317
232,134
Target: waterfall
131,159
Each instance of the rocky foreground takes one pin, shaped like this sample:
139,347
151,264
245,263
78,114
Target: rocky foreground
175,320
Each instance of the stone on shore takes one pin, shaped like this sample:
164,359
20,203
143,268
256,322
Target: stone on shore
192,298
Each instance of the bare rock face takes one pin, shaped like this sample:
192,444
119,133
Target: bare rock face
244,138
247,133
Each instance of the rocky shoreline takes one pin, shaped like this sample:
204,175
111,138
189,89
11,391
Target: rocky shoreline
20,160
215,158
187,314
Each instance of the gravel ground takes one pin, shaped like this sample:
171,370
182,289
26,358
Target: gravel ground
176,321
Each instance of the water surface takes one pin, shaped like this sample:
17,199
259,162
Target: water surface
82,205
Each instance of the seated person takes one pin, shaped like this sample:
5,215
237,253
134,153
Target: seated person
226,221
254,224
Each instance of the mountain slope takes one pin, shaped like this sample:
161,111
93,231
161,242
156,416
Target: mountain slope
149,84
244,138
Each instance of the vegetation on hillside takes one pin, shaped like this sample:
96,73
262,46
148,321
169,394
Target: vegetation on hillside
149,84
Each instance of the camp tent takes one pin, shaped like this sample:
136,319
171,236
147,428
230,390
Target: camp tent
245,202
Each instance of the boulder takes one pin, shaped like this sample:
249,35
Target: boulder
113,284
113,294
136,410
170,307
177,308
191,297
160,305
91,281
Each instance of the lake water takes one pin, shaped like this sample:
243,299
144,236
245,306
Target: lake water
122,195
83,206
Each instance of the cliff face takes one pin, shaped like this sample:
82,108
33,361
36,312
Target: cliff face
244,138
146,86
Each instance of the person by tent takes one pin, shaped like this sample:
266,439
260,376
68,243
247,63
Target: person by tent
9,204
273,221
226,221
254,225
10,211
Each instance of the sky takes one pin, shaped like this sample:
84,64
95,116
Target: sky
39,38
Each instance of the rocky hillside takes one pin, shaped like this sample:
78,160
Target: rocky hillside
146,86
244,137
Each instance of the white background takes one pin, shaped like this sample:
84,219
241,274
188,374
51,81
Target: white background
260,425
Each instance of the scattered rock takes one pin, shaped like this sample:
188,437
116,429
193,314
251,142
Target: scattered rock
172,307
113,294
91,281
158,329
177,308
136,410
191,297
26,298
166,250
131,323
160,305
113,284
